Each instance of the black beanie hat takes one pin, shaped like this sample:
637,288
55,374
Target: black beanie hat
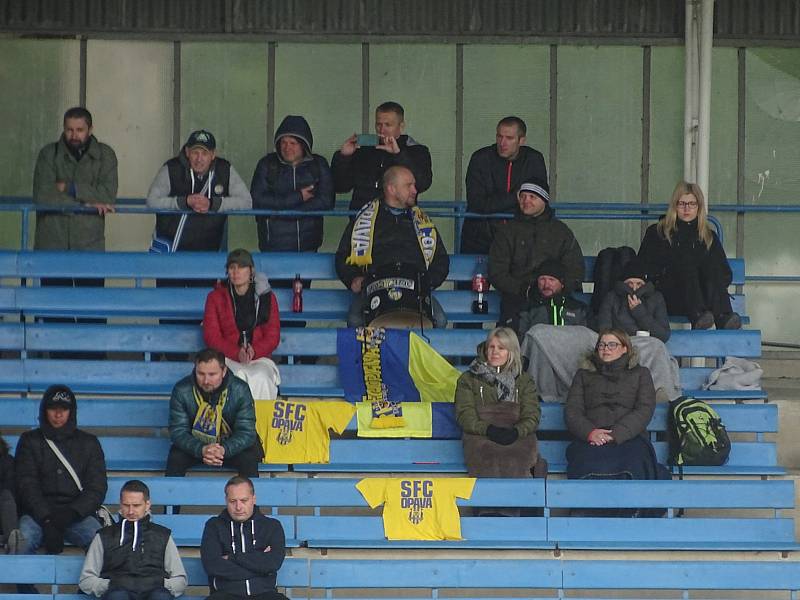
553,268
634,269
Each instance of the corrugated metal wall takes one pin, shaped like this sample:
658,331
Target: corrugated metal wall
598,19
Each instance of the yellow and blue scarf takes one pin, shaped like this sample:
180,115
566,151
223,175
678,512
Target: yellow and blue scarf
209,427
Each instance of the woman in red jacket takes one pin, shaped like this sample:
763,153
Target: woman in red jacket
241,321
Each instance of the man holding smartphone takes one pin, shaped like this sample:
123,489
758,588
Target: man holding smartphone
359,167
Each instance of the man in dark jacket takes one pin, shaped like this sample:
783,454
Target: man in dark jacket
292,178
523,244
197,180
242,549
549,304
387,232
212,419
360,168
493,175
56,507
134,559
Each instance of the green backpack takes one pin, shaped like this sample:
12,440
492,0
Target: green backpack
697,435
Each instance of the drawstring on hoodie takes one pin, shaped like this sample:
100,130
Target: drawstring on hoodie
206,191
135,533
243,544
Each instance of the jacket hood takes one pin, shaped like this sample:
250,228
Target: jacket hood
295,126
589,363
225,515
622,289
260,282
73,414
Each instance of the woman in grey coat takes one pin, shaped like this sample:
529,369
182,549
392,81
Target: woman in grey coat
609,406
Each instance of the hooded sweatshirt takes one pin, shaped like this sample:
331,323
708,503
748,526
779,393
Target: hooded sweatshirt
242,558
44,484
277,185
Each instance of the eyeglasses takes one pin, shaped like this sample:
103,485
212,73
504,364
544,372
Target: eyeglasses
609,345
690,204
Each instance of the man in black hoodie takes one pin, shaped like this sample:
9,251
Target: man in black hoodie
360,168
56,507
242,549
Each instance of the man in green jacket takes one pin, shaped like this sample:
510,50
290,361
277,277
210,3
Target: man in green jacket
75,171
212,419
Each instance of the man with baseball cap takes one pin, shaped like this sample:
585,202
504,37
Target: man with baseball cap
61,477
197,180
523,244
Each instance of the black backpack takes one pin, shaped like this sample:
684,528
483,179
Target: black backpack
697,435
607,270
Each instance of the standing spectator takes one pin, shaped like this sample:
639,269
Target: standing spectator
242,550
77,170
523,244
61,477
197,180
292,178
212,419
134,559
494,174
360,168
241,321
9,524
686,261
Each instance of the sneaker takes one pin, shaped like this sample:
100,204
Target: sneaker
14,541
704,321
729,321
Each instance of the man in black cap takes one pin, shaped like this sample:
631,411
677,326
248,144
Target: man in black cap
61,478
523,244
549,304
197,180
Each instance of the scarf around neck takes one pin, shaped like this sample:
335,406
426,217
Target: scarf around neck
504,381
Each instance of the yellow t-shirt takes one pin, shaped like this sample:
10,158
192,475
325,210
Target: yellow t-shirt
419,508
297,432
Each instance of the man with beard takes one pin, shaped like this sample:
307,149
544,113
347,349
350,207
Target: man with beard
76,171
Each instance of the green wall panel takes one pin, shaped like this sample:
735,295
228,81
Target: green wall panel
40,80
422,77
666,121
224,89
724,126
322,82
502,80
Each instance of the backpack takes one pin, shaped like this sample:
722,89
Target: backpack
697,435
607,270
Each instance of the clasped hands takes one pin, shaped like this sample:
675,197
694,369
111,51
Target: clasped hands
213,455
600,437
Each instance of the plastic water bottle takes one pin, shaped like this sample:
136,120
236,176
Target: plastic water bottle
297,294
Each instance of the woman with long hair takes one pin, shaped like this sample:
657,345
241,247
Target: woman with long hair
497,406
687,264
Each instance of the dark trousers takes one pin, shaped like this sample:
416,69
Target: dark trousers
245,463
157,594
265,596
691,289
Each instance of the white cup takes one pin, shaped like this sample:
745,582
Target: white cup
642,333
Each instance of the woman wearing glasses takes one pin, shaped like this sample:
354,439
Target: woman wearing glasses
686,262
609,406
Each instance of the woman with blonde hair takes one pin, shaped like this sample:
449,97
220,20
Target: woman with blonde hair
497,406
687,264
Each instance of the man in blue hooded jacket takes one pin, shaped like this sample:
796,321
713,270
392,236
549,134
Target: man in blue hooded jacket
293,179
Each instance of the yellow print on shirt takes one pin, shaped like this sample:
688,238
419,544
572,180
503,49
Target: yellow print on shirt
287,417
416,496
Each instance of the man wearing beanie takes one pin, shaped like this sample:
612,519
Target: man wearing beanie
61,477
522,245
294,179
548,303
202,182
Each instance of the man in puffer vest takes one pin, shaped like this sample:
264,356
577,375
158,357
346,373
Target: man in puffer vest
134,559
242,549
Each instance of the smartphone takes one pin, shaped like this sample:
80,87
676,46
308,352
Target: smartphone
367,139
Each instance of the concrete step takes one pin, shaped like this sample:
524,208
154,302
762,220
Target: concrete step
780,363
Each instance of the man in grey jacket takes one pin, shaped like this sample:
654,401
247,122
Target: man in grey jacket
134,559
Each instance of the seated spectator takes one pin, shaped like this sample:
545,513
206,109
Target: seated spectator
498,408
9,524
522,245
241,320
212,420
361,168
242,550
61,478
609,406
553,332
387,232
686,262
134,559
292,178
638,309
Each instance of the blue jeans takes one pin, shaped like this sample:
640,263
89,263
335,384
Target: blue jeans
80,533
157,594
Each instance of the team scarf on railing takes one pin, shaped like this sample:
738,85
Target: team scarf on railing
361,239
209,427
